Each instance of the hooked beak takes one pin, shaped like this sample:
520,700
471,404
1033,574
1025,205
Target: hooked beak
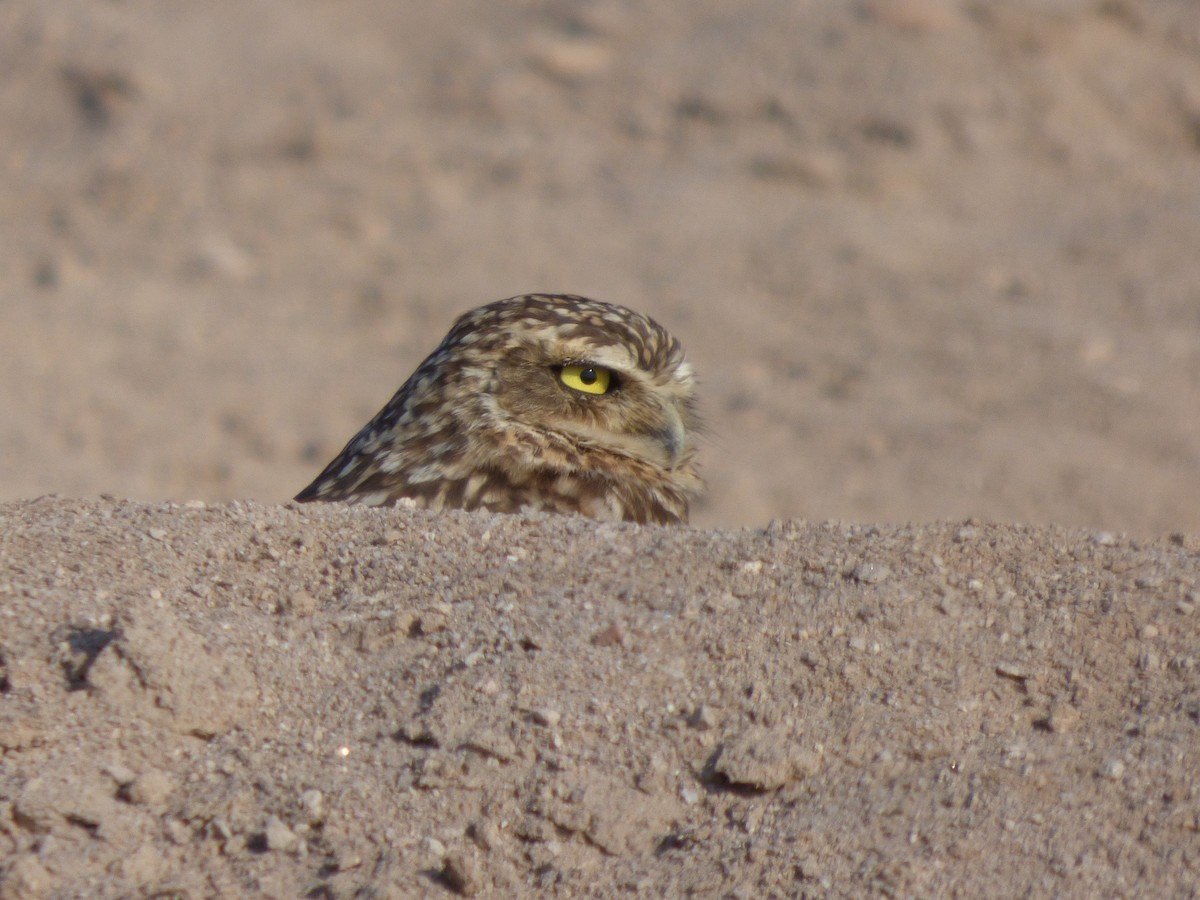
673,437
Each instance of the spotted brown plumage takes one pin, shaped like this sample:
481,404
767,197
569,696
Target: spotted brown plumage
548,402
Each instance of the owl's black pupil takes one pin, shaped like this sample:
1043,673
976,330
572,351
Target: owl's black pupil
588,376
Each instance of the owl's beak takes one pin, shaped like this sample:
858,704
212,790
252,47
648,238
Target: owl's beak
674,436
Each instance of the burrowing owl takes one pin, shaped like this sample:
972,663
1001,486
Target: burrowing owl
540,402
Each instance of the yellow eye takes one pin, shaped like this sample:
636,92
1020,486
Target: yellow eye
589,379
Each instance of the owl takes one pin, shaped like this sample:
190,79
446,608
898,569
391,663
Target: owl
548,402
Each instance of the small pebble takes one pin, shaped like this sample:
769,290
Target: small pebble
725,602
462,874
704,718
151,788
434,619
950,606
547,717
871,573
279,837
347,856
301,603
612,636
1113,769
1062,718
221,827
1012,670
313,804
483,833
122,775
179,832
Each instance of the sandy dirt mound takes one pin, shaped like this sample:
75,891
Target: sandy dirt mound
326,701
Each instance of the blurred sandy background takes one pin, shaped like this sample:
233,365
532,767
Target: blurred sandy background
932,259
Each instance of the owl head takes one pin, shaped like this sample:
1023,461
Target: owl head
542,401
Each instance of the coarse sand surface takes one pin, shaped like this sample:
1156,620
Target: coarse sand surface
334,701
